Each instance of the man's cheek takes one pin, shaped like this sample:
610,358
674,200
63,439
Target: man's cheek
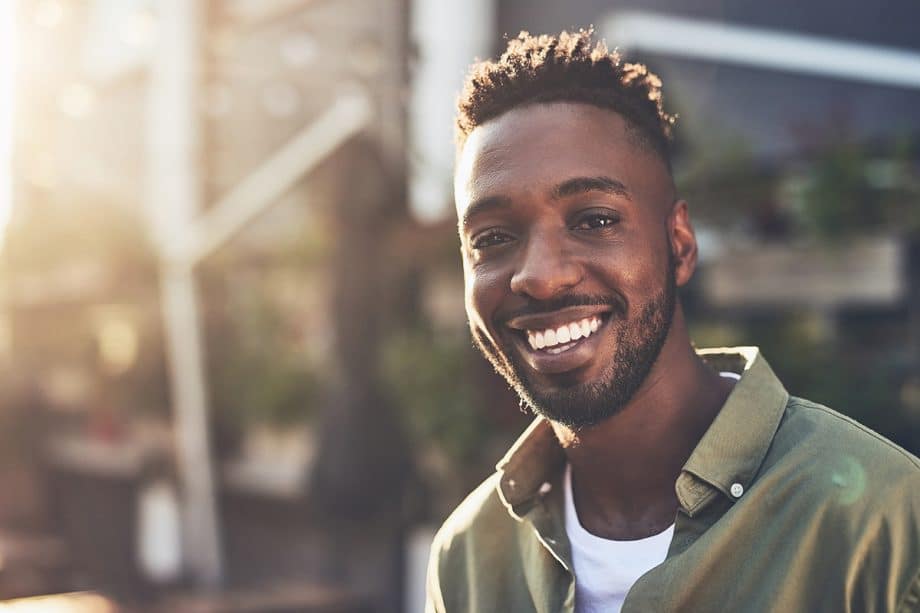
477,322
478,313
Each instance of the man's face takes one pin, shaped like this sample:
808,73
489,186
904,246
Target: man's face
570,278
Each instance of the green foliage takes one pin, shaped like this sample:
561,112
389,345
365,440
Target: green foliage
430,377
848,192
263,387
839,201
257,374
722,180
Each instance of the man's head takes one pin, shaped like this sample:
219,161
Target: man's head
573,242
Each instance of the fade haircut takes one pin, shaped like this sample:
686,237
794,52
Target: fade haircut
571,67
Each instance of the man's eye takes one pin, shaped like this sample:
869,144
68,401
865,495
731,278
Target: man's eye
597,221
490,238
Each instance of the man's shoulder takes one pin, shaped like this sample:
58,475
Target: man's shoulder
824,427
852,459
842,479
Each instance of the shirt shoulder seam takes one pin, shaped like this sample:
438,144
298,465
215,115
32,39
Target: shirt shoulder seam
807,404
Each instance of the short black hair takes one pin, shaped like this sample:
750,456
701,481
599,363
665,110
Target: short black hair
570,67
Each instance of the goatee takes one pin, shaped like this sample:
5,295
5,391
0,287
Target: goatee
582,405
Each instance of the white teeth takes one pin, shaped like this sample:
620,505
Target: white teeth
549,338
562,334
575,331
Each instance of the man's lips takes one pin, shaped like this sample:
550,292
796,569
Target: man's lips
555,319
560,341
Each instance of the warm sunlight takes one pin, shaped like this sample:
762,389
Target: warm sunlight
7,81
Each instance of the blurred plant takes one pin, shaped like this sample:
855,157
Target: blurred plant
838,200
430,378
723,179
849,191
264,388
460,416
899,175
257,376
831,364
836,189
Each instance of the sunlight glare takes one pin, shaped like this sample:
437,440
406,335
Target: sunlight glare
8,50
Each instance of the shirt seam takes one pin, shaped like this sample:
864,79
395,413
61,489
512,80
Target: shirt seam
543,541
910,601
856,425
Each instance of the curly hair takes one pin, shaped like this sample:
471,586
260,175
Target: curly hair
570,67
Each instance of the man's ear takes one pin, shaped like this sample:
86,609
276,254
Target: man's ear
682,240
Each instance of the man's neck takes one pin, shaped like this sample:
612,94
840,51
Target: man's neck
624,469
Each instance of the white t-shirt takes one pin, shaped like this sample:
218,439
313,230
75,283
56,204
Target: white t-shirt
605,569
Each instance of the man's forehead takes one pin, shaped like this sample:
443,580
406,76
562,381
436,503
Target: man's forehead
536,142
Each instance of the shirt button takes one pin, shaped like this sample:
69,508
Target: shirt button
737,489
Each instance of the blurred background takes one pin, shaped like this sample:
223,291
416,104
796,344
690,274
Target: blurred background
235,371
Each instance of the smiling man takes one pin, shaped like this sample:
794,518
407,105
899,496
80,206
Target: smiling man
656,477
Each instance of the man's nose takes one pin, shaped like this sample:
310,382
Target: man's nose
545,268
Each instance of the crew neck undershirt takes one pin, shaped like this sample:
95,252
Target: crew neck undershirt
606,569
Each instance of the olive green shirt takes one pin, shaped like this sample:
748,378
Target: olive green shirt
785,505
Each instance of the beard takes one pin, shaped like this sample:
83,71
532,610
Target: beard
582,405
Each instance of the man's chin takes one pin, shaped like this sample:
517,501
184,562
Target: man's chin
565,398
578,406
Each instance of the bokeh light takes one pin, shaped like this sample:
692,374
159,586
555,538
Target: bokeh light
48,13
77,100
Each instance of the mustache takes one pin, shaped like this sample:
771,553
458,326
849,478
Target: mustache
616,303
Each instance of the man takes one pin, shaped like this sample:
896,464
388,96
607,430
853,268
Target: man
656,477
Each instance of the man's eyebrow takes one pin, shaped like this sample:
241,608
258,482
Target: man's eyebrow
483,205
582,185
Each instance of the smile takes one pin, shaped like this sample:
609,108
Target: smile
562,338
560,341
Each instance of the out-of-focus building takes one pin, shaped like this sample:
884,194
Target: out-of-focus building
294,131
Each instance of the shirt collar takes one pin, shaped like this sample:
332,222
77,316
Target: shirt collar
729,453
534,460
733,448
